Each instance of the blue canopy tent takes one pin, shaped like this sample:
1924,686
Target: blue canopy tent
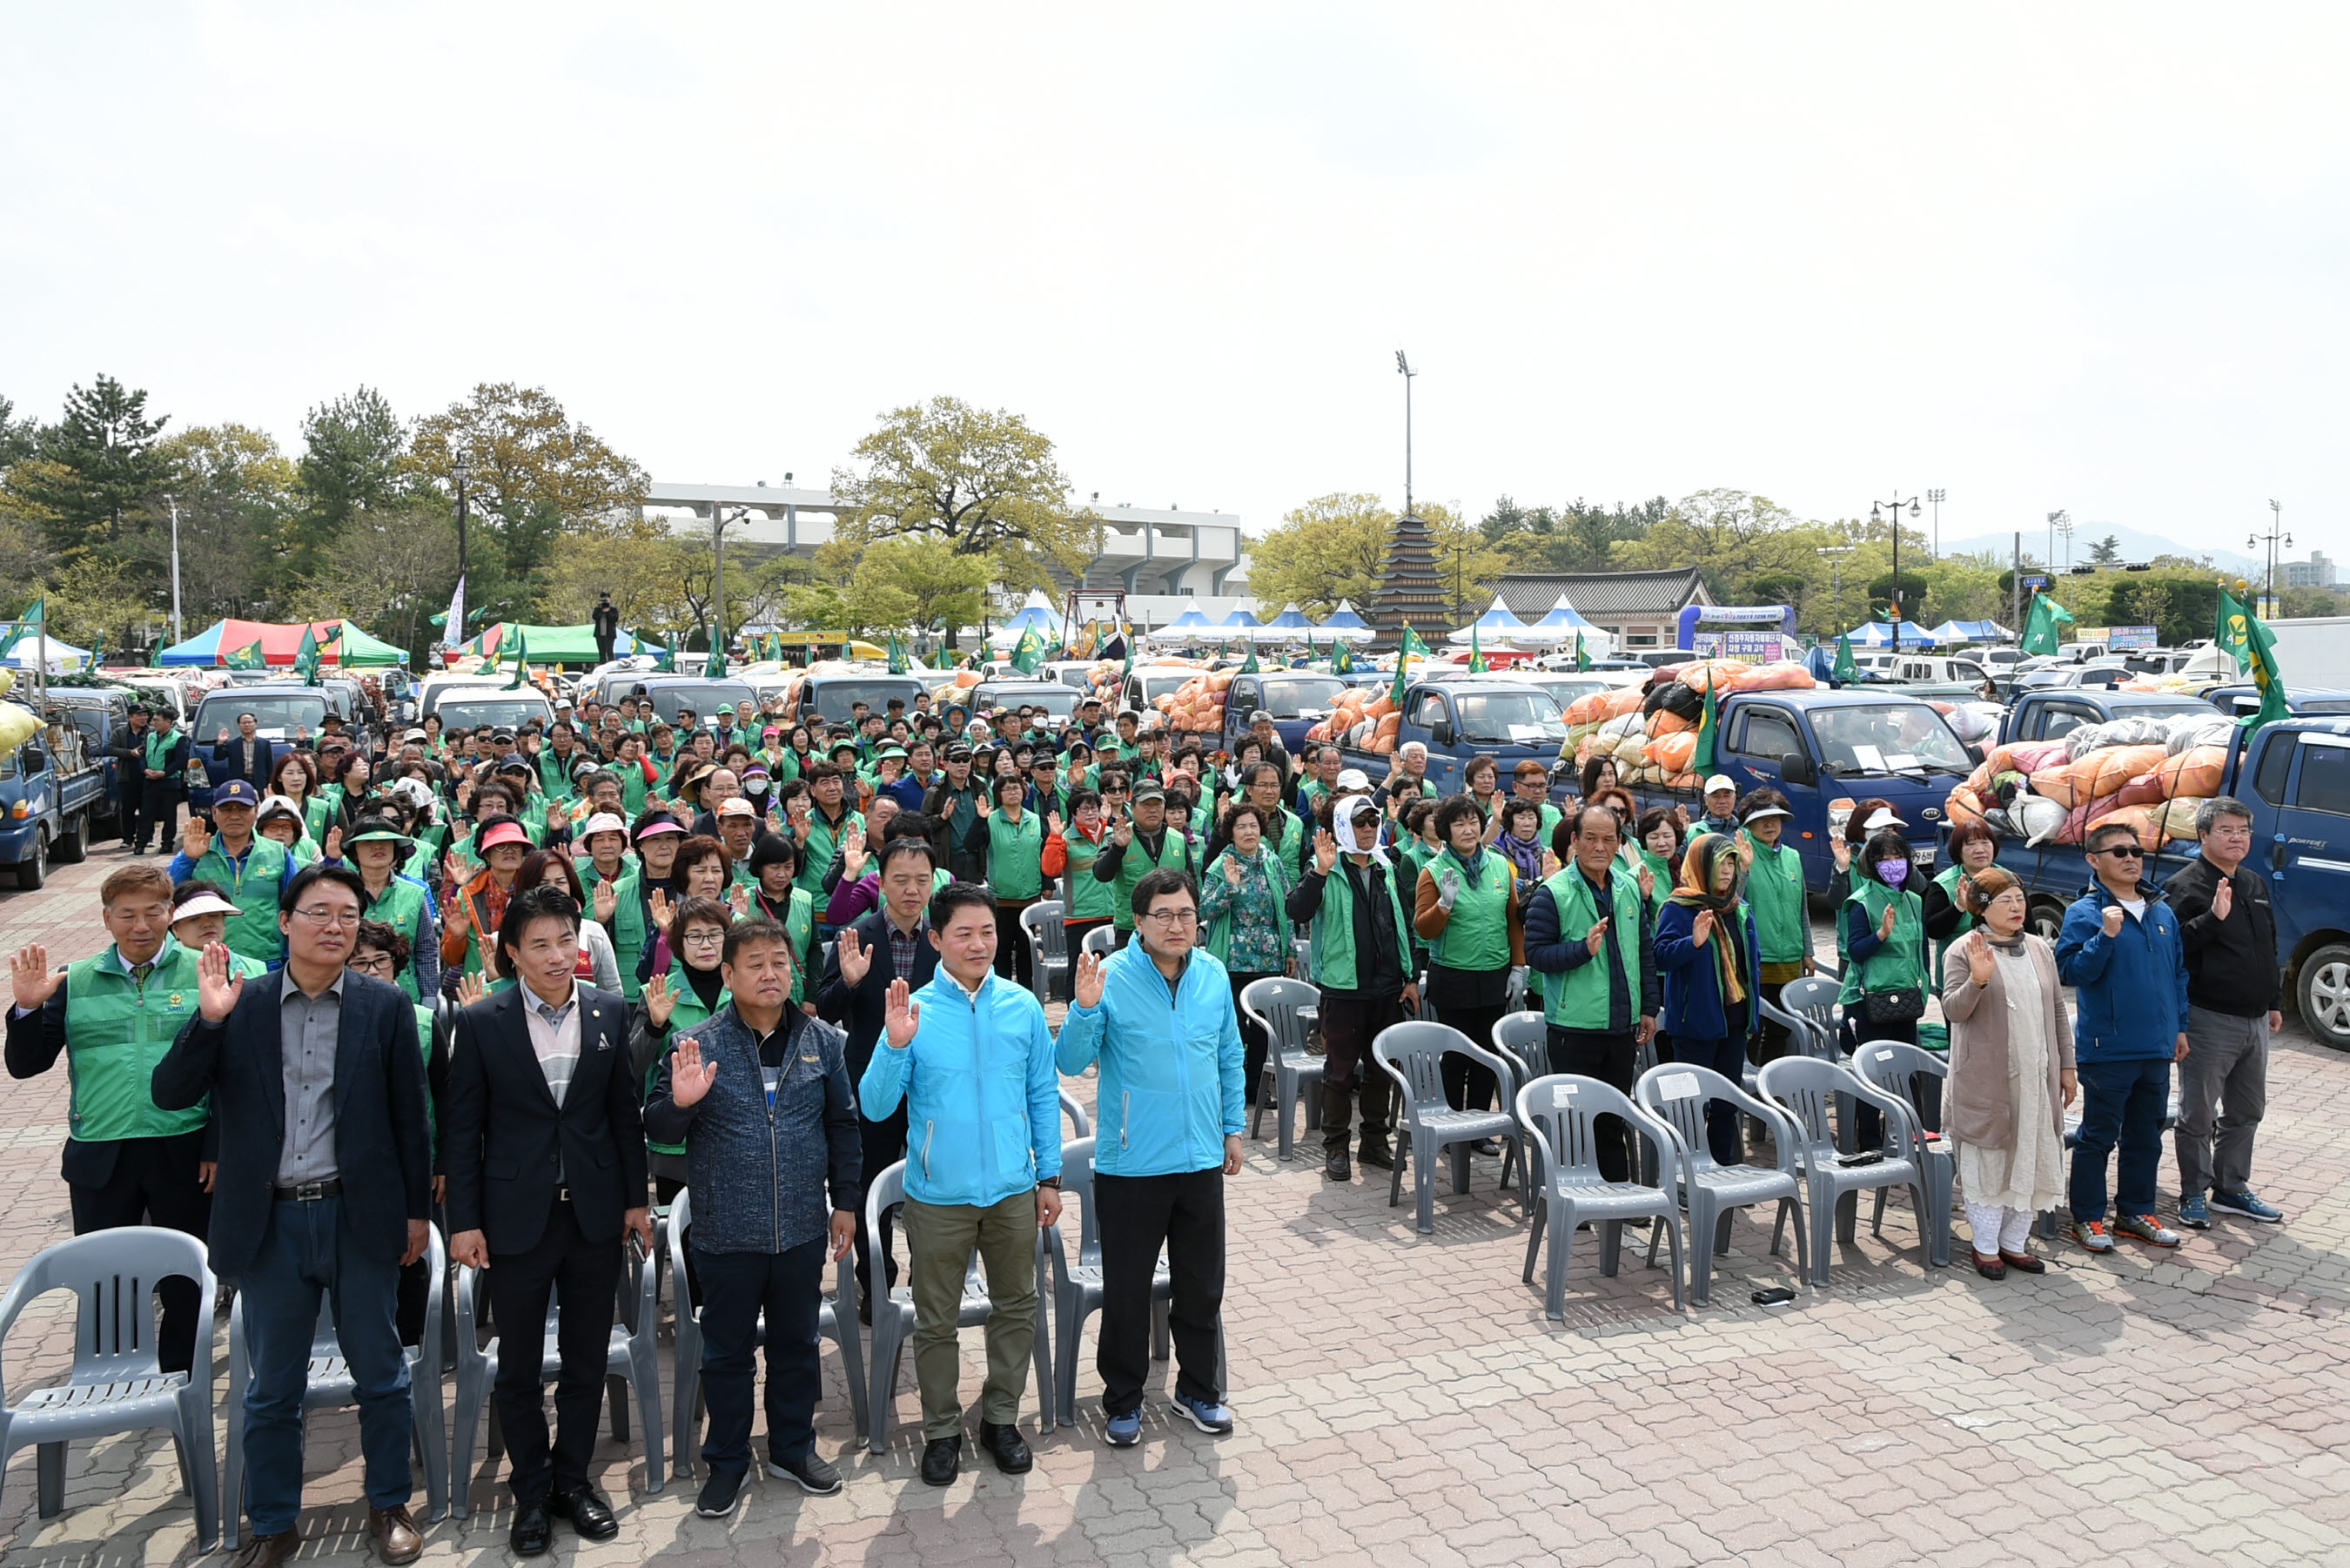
1289,626
64,656
1238,626
1496,624
1560,626
1970,631
1192,619
1345,623
1877,634
1037,616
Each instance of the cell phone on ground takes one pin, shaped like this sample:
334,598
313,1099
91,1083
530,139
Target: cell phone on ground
1777,1295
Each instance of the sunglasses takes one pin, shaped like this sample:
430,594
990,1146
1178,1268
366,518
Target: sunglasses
2125,852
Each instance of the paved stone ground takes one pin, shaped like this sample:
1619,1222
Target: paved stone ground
1402,1399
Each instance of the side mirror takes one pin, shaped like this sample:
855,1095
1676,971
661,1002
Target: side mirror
1795,768
35,759
1441,733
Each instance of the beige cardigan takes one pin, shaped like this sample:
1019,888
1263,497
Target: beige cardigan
1977,1106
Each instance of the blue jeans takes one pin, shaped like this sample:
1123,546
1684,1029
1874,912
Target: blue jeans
305,1254
2121,1102
734,1288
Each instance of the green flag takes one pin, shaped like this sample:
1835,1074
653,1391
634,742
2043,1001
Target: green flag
2040,633
1030,653
306,657
26,623
249,657
897,662
1249,666
1582,658
2247,638
1476,654
1129,654
714,667
1702,760
522,663
667,663
1844,670
1411,645
97,647
1342,657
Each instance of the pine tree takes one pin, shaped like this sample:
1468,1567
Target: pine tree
106,447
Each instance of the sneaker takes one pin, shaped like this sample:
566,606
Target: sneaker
815,1477
2147,1229
2194,1213
2093,1235
1213,1418
720,1494
1124,1432
2246,1204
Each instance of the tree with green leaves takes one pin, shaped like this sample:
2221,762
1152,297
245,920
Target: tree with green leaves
2105,551
354,449
1575,537
102,465
1334,547
981,481
237,495
18,438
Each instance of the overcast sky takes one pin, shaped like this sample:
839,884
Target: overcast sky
2082,256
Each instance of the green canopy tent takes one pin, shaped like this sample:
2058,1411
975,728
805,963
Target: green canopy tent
355,650
556,644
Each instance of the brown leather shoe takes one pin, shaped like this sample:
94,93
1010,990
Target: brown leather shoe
266,1550
396,1541
2024,1262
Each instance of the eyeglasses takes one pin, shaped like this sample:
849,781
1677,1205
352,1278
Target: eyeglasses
704,939
320,917
1172,917
381,963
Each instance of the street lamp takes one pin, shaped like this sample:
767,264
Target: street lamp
2057,520
1835,555
2276,525
1934,499
1403,367
457,473
1873,516
177,635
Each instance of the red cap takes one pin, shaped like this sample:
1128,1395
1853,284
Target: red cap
504,833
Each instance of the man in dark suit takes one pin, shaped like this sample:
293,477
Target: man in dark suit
128,750
324,1186
164,764
544,1151
246,756
891,942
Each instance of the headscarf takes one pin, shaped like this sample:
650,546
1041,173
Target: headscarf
1353,809
1696,892
1525,855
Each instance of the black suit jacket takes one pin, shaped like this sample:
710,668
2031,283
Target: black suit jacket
859,1008
225,761
383,1141
504,1139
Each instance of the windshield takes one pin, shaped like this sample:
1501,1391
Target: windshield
1300,696
1061,701
1509,718
1154,687
702,699
278,714
1888,739
498,713
836,698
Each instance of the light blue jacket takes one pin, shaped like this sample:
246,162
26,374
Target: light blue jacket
1171,1064
982,1105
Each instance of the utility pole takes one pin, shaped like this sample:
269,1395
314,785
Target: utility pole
1404,367
457,471
1835,555
718,521
2056,519
1896,606
1934,500
177,635
2015,585
2276,532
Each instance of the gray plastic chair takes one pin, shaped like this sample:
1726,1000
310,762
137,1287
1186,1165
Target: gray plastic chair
834,1321
1896,1067
1101,940
1076,1114
330,1386
1413,1054
1558,1110
1810,1000
1523,1040
1713,1192
116,1383
632,1368
1048,946
1802,1089
893,1310
1076,1287
1277,1006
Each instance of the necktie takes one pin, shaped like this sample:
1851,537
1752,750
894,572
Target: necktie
139,971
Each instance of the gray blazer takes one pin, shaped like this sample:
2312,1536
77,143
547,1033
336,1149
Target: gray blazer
1978,1107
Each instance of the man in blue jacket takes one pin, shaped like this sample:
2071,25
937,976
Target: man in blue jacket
2121,949
972,1058
1158,1017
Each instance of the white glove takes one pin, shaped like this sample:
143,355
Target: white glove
1448,888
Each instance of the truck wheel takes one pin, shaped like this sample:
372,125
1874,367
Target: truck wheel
2323,992
73,845
2046,919
33,870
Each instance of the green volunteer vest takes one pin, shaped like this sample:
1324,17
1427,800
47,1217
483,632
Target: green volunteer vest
424,1046
1660,879
1016,854
1089,897
685,1014
823,844
800,926
632,787
1477,937
1333,943
317,814
400,906
1174,851
1948,881
1578,999
116,1032
1896,963
253,930
1774,891
628,932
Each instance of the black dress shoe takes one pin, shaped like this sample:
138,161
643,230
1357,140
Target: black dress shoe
1377,1155
530,1532
1334,1166
590,1514
940,1457
1005,1447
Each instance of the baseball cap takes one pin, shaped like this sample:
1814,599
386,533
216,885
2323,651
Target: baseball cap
561,703
407,735
735,805
958,751
1719,781
206,903
236,792
513,763
1149,790
602,822
1353,778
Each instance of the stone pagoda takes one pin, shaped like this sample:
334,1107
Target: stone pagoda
1409,588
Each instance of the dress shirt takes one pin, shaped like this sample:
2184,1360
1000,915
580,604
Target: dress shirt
307,1027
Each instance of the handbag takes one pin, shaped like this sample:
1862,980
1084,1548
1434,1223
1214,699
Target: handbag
1902,1004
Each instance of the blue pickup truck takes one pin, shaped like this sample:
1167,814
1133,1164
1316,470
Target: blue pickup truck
2295,774
47,804
1460,717
2050,715
1297,698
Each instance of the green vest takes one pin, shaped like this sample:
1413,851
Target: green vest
1948,881
1774,891
400,906
1660,879
632,786
116,1032
1477,937
317,815
1174,851
1899,962
627,931
253,930
1015,854
1089,897
800,926
424,1045
685,1014
1578,999
1333,942
823,844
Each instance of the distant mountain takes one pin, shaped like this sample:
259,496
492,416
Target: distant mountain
2136,545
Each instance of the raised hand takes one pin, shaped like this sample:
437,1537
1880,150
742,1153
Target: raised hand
1701,929
457,918
2113,921
195,839
660,1002
1647,881
1979,958
1232,873
740,899
689,1077
472,988
1326,851
1885,926
1843,853
856,960
334,846
218,985
1125,833
1087,986
902,1016
1598,936
455,869
2223,899
607,902
660,907
554,815
35,982
1052,822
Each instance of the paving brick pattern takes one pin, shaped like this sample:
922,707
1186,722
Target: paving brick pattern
1402,1400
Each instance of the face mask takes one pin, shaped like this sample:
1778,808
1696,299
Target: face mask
1892,873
